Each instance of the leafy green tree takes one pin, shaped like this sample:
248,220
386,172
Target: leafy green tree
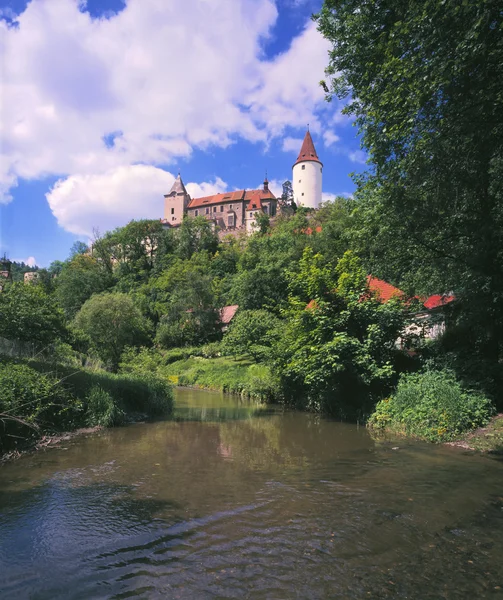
29,314
131,252
252,332
78,248
423,81
79,279
111,322
183,300
195,235
338,348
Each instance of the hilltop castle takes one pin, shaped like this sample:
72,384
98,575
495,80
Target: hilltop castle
235,211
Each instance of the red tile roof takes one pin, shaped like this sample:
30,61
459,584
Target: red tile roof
227,313
254,201
383,290
307,152
439,300
236,196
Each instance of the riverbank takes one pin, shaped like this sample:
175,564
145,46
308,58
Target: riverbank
42,400
488,439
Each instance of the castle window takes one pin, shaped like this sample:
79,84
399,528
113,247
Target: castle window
207,211
222,208
172,211
303,167
251,214
321,170
230,207
173,218
302,193
265,210
300,180
214,209
196,213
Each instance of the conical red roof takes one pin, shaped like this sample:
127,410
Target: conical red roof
307,152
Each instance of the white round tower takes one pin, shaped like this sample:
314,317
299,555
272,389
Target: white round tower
307,175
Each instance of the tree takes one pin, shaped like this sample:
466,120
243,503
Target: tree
252,332
195,235
78,248
423,79
29,314
337,353
79,279
111,322
130,253
184,302
286,200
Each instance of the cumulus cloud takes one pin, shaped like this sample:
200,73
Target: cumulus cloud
358,156
330,138
95,97
83,203
292,144
30,261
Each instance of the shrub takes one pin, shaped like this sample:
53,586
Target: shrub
431,405
102,409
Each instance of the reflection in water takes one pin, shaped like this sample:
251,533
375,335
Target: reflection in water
231,499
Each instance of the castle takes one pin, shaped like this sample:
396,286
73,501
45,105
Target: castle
238,210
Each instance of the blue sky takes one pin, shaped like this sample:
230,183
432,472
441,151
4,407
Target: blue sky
105,100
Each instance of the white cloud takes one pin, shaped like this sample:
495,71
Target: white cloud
276,186
358,156
330,138
82,203
146,85
30,261
292,144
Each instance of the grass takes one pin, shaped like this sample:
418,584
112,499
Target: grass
235,375
37,398
485,439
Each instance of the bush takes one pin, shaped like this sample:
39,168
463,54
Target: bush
102,409
432,406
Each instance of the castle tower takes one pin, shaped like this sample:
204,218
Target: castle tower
307,175
176,202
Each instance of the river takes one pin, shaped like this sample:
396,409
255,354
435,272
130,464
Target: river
235,500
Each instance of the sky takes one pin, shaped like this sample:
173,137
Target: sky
103,102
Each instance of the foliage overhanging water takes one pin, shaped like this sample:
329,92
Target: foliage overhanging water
234,500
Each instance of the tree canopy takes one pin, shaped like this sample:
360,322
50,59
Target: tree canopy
423,80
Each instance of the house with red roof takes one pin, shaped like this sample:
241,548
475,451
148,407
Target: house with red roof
429,320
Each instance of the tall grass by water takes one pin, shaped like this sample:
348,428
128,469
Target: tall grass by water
38,398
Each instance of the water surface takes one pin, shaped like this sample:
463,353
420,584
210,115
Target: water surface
234,500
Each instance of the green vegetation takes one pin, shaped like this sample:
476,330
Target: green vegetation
237,376
432,406
111,322
423,82
486,439
38,398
